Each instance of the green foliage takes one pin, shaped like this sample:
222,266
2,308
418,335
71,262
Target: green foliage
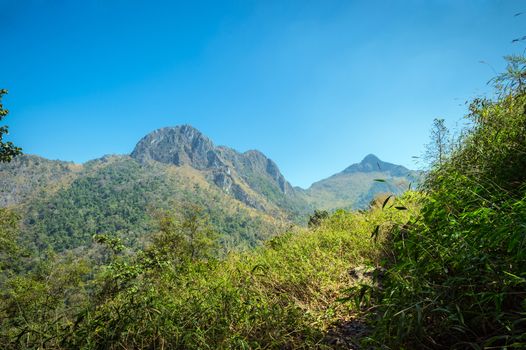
9,249
172,294
439,146
281,295
186,238
111,200
317,218
7,149
457,276
117,197
37,308
513,79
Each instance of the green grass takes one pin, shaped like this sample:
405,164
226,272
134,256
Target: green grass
285,294
457,276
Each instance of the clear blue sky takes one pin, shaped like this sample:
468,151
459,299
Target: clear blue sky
315,85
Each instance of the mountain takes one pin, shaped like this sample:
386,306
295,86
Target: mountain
249,177
359,183
120,196
246,196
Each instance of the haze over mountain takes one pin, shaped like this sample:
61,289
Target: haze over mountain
245,194
358,184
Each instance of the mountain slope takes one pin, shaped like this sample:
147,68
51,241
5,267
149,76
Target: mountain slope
119,196
27,175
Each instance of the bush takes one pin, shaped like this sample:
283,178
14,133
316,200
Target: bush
459,275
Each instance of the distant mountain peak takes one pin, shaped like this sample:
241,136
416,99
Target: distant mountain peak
370,159
372,163
356,186
180,135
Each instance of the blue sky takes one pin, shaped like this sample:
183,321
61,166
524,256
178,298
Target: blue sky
315,85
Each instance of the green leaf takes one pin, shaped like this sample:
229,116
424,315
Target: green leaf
376,230
386,200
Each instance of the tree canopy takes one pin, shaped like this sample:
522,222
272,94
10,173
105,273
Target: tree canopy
7,149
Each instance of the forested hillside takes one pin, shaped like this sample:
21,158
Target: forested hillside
118,196
247,199
28,176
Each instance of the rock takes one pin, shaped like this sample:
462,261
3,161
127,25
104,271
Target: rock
182,145
347,334
362,273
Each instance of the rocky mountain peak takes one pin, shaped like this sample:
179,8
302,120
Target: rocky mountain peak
228,169
178,145
368,164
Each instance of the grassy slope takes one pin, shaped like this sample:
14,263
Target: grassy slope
282,295
457,276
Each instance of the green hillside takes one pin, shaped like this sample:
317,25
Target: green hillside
117,195
27,176
287,294
248,200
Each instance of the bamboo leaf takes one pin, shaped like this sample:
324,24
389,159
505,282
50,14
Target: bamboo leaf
386,200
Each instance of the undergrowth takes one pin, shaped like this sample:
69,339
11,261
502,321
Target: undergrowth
457,269
286,294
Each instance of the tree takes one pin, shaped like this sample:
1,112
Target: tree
185,237
317,218
9,249
513,80
7,149
438,147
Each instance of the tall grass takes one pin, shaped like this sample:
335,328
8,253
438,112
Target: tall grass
457,276
282,295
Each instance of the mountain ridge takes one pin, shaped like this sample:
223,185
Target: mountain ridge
250,176
372,163
196,149
333,192
175,165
